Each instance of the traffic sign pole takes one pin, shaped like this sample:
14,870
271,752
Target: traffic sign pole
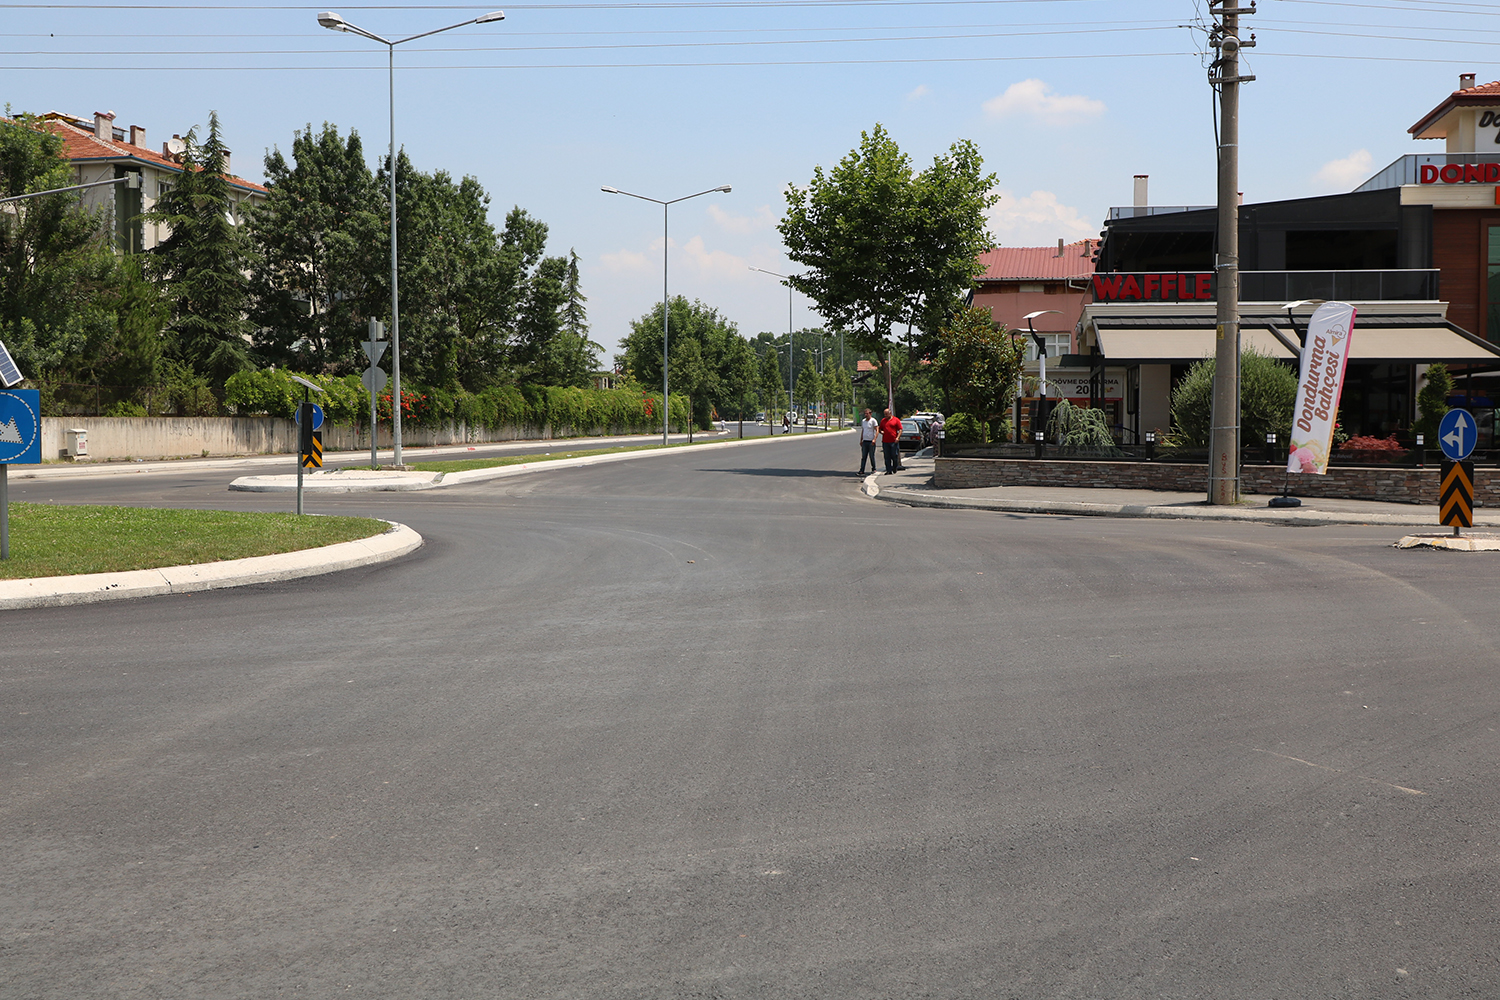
4,512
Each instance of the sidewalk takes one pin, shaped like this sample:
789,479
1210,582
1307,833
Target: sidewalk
913,487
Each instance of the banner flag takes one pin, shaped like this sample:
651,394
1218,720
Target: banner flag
1325,356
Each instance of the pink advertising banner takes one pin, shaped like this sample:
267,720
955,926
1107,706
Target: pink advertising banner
1325,357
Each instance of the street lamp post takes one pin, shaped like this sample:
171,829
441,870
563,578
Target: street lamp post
723,188
791,357
1041,355
334,22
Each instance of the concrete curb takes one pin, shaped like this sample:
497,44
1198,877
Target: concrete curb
1463,543
62,591
1289,517
406,481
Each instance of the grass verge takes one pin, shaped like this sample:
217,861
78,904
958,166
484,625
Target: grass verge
465,464
62,540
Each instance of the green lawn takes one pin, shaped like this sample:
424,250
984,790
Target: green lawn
60,540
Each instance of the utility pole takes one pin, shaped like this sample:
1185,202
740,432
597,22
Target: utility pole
1224,76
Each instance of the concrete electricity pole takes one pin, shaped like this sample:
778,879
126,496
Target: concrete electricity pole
1224,75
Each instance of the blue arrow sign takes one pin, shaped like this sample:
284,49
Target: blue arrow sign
317,416
21,427
1458,433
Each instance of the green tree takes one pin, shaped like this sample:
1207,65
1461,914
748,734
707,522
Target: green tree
1268,391
57,264
741,374
772,386
689,321
571,358
810,385
128,352
978,364
690,376
321,250
201,264
889,252
1432,401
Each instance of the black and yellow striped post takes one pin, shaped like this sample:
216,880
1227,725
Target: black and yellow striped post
1456,497
312,455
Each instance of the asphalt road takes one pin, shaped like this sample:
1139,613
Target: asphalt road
712,725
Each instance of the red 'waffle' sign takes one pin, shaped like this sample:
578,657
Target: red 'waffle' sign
1164,287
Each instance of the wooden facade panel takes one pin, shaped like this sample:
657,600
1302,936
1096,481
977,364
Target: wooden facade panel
1457,251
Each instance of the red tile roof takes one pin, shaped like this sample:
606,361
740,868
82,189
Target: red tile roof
1038,263
81,144
1484,95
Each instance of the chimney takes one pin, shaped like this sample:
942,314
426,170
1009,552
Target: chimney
226,163
1466,81
1059,248
137,136
1140,190
104,125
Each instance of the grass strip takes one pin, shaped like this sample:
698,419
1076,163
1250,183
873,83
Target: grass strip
465,464
63,540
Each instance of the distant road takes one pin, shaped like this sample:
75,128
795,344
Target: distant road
712,725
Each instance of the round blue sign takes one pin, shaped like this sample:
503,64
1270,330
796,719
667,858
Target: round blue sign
20,427
1458,433
317,416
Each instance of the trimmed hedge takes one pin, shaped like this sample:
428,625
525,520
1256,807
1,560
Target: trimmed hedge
272,392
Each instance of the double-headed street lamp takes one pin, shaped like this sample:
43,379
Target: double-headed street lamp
334,22
723,188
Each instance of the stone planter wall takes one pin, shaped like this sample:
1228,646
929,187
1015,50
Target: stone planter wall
1397,485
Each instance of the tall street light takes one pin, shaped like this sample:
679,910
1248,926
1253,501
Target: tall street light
724,188
791,360
334,22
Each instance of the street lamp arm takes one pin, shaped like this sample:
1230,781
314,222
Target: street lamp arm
494,15
335,22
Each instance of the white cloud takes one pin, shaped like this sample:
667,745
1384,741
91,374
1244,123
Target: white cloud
742,225
1036,220
1346,174
623,261
704,261
916,95
1034,98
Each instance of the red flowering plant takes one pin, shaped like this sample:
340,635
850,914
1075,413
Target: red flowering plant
1368,448
410,403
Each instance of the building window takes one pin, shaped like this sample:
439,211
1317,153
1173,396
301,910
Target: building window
1058,344
1031,286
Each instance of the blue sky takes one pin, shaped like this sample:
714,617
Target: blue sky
1067,99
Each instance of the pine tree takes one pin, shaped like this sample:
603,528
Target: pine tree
201,264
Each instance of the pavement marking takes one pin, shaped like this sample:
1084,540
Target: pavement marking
1339,770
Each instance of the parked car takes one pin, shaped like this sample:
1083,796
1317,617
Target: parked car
913,435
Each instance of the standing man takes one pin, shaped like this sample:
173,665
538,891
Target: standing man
869,428
935,429
890,438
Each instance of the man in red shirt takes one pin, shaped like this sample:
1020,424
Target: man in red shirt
890,436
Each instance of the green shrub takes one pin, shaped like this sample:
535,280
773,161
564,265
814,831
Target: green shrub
1268,391
964,429
1081,430
1432,400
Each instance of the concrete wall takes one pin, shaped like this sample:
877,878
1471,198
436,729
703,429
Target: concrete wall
1395,484
124,438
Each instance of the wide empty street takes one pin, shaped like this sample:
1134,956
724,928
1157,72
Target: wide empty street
713,724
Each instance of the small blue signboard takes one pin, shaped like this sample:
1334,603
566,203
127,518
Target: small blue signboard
317,416
1458,433
20,427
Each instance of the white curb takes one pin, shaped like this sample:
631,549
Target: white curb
60,591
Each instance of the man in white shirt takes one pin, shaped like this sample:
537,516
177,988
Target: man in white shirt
869,430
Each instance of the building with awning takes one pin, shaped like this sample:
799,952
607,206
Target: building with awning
1416,250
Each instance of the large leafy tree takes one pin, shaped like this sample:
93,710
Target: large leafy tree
201,264
570,357
979,363
713,333
321,245
57,264
889,251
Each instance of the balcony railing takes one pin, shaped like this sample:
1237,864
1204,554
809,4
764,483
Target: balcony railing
1345,286
1143,211
1408,169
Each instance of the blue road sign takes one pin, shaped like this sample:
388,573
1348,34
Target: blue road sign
20,427
1458,433
317,416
